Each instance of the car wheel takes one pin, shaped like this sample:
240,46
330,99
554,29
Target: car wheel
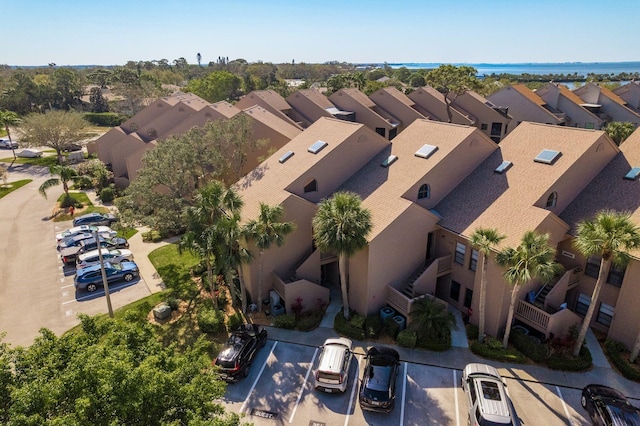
91,288
583,402
128,277
245,372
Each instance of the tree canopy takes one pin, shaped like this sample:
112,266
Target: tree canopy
452,81
54,129
619,131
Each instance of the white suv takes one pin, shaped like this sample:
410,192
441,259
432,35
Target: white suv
332,373
489,404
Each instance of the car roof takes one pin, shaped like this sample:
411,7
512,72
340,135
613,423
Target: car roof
339,341
478,369
92,268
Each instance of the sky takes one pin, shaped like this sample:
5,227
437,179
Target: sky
113,32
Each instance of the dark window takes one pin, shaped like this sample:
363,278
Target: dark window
473,264
496,129
583,304
484,126
593,266
380,131
605,314
393,133
552,200
424,191
616,273
468,297
312,186
461,250
454,292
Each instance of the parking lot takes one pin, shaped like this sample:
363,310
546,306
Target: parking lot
279,390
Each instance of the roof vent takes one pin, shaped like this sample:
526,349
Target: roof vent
506,165
633,174
389,161
426,151
317,147
547,156
285,156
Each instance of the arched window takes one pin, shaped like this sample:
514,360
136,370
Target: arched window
312,186
424,191
552,200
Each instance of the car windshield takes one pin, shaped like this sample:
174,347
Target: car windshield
623,415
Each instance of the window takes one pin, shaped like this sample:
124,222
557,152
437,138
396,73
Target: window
506,165
589,126
633,174
389,161
605,314
393,133
484,126
616,273
468,297
547,156
454,292
583,304
553,198
461,250
473,264
381,131
317,147
312,186
424,191
593,266
285,156
426,151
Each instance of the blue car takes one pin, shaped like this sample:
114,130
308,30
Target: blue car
91,277
96,219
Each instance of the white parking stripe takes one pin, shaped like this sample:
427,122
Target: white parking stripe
353,390
255,382
564,406
455,396
304,384
404,393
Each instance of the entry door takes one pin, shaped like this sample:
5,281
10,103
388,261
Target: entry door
429,245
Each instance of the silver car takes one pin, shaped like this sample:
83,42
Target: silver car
7,144
112,256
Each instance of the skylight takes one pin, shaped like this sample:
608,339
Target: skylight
506,165
317,147
389,161
426,151
285,156
633,174
547,156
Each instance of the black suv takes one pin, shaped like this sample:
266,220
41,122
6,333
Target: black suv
235,358
607,406
378,387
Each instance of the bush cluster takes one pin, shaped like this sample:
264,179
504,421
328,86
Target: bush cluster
106,119
492,350
234,321
107,194
153,236
407,338
211,321
287,321
435,344
347,328
567,362
373,326
614,351
309,320
530,346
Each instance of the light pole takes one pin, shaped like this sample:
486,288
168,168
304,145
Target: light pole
105,283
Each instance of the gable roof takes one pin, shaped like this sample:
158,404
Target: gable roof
272,121
269,100
212,112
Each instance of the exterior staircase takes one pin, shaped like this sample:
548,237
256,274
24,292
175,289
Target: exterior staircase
407,290
542,294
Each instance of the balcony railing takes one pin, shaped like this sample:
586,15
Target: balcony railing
557,323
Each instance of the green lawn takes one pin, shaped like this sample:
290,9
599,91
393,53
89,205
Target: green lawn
80,197
12,186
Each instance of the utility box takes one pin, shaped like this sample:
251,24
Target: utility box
162,311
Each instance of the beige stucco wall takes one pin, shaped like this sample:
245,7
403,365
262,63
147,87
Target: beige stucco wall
436,106
396,108
484,114
121,151
364,114
307,108
521,108
625,326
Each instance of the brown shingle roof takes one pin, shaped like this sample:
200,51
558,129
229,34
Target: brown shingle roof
272,121
529,94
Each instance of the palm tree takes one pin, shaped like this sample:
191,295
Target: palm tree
483,239
65,174
341,226
609,235
9,118
433,320
532,259
234,255
205,222
265,231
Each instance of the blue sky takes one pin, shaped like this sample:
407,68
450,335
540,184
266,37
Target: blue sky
112,32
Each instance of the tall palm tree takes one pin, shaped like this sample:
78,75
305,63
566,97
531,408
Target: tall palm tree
341,226
205,222
483,240
9,118
264,231
532,259
233,255
65,175
609,235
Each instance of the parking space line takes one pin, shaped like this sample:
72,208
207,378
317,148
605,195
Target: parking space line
353,391
304,384
255,382
564,406
455,396
404,393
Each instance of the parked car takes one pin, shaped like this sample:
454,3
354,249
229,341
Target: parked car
72,241
70,147
84,229
378,386
92,257
29,153
489,403
70,255
90,278
234,360
96,219
7,144
332,373
607,406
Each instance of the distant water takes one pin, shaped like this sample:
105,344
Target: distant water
580,68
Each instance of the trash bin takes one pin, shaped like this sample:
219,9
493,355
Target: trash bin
386,312
401,321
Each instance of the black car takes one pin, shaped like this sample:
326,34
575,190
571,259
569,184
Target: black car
378,387
235,358
96,219
607,406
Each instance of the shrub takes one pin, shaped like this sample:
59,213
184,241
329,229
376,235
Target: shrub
173,303
309,320
567,362
342,326
472,332
234,321
390,327
407,338
492,349
107,195
106,119
357,321
152,236
83,182
435,344
211,321
297,307
372,326
287,321
614,351
529,346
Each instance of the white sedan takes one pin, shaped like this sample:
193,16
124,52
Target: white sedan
29,153
112,256
84,229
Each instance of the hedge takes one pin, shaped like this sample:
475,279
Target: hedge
106,119
372,326
490,351
211,321
614,351
407,338
530,346
287,321
342,326
436,345
567,362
